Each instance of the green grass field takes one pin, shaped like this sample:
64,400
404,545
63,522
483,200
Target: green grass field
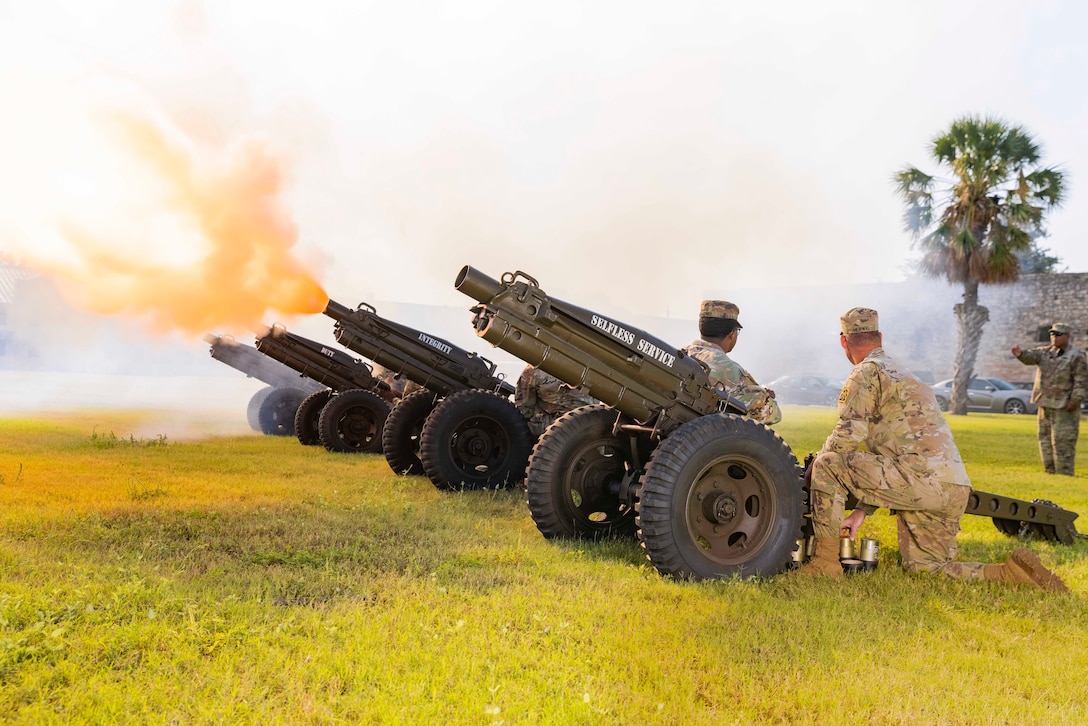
249,579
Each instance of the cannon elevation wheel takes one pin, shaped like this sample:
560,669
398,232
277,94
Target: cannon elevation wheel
400,437
575,474
475,440
351,422
721,497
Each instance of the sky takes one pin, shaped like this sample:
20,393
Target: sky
199,165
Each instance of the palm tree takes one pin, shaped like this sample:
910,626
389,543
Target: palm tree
971,227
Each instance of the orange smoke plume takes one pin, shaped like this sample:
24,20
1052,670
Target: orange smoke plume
197,240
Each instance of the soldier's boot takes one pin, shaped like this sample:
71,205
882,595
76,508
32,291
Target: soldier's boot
1024,567
824,561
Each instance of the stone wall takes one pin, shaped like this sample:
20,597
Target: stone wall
1022,313
916,317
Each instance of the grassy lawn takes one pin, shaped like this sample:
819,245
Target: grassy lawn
249,579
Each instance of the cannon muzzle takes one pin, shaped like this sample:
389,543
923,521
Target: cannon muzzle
336,311
476,284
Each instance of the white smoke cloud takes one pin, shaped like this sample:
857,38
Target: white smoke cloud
634,157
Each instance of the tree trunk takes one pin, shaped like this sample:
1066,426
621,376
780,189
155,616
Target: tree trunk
970,319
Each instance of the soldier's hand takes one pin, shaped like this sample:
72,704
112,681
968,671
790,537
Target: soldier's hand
853,522
1016,351
1072,406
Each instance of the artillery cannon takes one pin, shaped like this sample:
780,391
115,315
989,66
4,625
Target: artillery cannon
667,455
347,416
462,431
272,409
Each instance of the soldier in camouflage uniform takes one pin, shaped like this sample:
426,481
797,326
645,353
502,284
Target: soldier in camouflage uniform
1061,380
718,328
399,386
543,398
892,448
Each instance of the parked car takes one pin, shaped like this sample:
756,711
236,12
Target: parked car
988,394
804,389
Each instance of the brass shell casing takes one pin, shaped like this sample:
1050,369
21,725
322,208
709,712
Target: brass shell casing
846,548
868,552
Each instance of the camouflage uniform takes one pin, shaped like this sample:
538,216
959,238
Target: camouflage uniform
543,398
399,385
893,448
734,379
1060,379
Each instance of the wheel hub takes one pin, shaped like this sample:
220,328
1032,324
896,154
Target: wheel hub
720,508
478,446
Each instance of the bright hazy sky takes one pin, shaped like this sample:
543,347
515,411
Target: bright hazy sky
629,155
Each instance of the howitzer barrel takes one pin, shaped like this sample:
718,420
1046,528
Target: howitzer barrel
253,363
477,285
622,366
432,362
327,366
336,311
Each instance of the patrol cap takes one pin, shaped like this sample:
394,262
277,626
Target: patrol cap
719,309
859,320
1061,328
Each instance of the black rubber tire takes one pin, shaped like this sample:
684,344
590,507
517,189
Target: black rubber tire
475,440
574,472
942,403
403,428
277,411
722,496
1015,406
253,409
1011,527
309,415
352,422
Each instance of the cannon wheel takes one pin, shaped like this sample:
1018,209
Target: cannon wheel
352,421
308,415
574,471
475,440
277,411
400,437
721,497
253,409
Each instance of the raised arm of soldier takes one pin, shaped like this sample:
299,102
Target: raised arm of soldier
1061,384
718,329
